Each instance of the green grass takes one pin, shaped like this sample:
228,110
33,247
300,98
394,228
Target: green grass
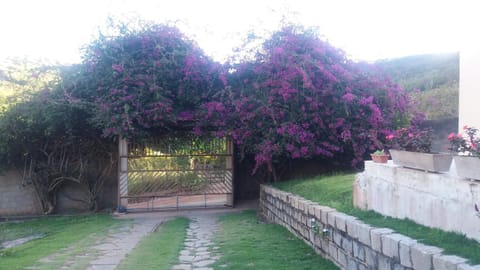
336,191
160,250
244,243
60,233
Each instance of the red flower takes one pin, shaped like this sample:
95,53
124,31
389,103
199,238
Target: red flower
451,136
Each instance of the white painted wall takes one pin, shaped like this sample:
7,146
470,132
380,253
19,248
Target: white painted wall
469,99
436,200
469,44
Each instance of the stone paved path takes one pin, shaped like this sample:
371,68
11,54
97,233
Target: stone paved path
106,252
197,253
117,245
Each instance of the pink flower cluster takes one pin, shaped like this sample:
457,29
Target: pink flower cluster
299,98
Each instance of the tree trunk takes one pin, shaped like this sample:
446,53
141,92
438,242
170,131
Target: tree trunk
274,174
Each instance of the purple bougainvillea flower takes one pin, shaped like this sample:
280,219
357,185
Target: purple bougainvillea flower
185,116
298,97
117,67
349,97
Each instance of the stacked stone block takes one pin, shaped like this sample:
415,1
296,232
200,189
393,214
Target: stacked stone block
348,242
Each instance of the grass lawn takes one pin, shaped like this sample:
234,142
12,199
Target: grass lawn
159,250
336,191
247,244
60,232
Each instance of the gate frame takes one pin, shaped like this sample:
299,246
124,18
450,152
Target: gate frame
122,194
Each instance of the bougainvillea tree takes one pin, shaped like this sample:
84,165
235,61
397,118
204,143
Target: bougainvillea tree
297,98
303,98
148,78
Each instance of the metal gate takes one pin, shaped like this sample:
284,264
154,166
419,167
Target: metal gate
175,172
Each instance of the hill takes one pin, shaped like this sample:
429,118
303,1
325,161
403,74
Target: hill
432,81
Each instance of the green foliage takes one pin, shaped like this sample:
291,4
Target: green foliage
49,138
423,72
21,77
336,191
438,103
432,81
246,243
61,232
163,183
379,152
160,250
175,162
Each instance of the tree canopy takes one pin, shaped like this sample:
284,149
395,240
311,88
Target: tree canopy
302,98
298,97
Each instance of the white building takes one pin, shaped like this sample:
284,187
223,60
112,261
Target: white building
469,92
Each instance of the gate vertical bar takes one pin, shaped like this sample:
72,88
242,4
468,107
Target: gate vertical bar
229,170
122,173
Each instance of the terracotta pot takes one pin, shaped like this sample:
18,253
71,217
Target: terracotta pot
431,162
380,158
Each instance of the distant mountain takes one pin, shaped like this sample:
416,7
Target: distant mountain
432,81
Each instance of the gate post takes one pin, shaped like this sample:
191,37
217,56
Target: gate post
229,167
122,173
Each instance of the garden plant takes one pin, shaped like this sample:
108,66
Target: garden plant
295,97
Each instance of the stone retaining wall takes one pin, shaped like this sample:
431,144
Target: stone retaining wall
348,242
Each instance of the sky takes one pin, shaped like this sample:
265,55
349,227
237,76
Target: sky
366,30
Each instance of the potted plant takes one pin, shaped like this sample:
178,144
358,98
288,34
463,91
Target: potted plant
380,156
467,147
411,148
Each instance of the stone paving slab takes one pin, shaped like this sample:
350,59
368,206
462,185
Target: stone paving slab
117,245
195,254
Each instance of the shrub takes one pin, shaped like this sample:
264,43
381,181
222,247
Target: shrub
51,141
410,139
298,98
467,143
303,98
147,77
